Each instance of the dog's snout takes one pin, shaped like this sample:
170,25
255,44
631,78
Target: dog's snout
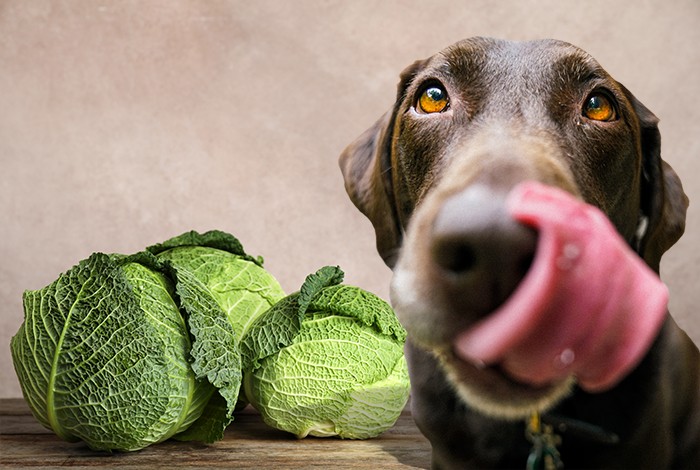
481,253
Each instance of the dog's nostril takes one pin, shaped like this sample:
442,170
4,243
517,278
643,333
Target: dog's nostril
454,256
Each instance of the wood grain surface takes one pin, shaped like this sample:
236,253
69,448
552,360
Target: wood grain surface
249,443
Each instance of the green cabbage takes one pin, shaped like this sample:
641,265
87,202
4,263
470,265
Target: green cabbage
102,356
105,354
126,351
327,361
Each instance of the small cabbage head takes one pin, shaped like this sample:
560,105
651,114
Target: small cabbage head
327,361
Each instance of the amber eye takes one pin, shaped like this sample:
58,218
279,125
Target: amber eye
433,100
598,107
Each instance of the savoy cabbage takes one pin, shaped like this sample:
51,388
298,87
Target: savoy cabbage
125,351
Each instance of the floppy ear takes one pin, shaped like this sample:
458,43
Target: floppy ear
663,201
366,168
366,165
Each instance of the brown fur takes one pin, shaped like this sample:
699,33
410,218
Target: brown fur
515,115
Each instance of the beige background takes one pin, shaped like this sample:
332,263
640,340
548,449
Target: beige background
123,123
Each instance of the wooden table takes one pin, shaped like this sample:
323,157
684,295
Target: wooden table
248,443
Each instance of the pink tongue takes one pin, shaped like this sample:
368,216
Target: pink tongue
589,306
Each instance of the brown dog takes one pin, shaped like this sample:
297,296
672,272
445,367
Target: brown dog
469,124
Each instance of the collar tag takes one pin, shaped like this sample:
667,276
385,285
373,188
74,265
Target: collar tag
544,454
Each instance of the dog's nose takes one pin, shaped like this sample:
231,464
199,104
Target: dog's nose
481,253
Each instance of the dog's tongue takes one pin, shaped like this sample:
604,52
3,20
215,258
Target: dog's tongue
588,306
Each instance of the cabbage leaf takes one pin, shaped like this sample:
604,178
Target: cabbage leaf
223,290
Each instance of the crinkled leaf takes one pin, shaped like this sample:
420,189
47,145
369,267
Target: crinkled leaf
277,327
316,282
154,293
335,370
374,408
212,239
215,351
210,426
321,292
358,303
223,292
242,289
271,332
94,365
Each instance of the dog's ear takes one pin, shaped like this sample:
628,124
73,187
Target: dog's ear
663,201
366,165
366,168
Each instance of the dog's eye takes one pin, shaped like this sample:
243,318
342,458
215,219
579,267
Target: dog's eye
433,100
598,107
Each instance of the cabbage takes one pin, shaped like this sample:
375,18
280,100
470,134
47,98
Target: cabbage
125,351
102,356
327,361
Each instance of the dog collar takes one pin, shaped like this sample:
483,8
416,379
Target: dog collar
540,431
544,454
581,429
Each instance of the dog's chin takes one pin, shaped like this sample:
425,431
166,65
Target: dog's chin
491,391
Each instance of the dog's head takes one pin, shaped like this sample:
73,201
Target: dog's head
470,123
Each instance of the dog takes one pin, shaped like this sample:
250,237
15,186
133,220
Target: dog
469,124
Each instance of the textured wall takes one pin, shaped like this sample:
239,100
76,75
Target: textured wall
124,123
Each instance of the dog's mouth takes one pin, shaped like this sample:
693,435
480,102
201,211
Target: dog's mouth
588,308
496,392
